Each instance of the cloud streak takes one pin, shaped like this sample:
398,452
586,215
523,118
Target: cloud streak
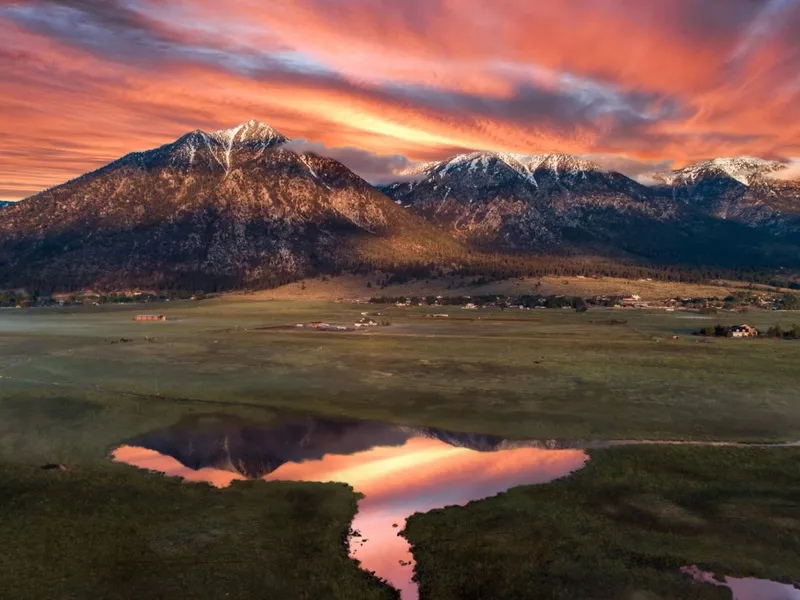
790,173
85,81
375,168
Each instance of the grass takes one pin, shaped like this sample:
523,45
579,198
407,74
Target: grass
621,528
106,530
544,374
68,395
116,533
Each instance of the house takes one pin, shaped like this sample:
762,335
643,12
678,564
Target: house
744,331
469,306
150,318
318,324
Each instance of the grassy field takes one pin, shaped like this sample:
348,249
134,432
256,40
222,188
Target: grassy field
116,533
621,528
539,374
70,390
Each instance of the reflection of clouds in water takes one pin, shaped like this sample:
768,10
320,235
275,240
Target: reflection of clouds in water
758,589
397,481
746,588
153,461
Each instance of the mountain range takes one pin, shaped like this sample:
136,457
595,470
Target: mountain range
240,207
725,212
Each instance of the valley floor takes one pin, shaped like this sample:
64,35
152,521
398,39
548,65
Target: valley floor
71,390
360,288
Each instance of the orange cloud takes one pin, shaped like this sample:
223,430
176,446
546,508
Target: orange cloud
653,81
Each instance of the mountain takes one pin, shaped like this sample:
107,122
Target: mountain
743,189
255,450
232,208
566,204
518,202
4,204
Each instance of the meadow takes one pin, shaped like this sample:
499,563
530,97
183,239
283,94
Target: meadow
604,374
71,389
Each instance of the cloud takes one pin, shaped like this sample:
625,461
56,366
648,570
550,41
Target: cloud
85,81
375,168
790,173
640,170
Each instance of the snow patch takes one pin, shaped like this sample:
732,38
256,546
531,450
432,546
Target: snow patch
744,169
561,165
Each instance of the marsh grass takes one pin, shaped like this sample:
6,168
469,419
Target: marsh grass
621,528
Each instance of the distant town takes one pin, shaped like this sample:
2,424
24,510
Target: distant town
741,301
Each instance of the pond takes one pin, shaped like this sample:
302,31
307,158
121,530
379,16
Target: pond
399,470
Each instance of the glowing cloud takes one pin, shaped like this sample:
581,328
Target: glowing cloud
85,81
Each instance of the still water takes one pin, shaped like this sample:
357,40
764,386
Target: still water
399,470
747,588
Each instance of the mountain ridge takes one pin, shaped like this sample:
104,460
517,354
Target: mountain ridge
566,203
240,207
231,208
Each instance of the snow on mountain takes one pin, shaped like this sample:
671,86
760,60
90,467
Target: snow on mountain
216,150
520,202
479,163
743,189
562,203
744,169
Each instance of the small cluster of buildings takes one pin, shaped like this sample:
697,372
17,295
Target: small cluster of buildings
362,323
744,331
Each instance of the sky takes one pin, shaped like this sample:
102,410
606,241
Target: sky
636,85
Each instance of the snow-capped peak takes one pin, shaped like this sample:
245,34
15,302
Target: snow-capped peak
251,131
526,165
222,145
744,169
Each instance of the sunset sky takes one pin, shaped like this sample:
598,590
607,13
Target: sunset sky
636,84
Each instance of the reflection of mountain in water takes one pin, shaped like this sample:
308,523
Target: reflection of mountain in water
253,450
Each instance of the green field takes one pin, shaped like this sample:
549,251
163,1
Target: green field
71,390
539,374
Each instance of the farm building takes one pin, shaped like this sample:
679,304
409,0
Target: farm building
150,318
743,331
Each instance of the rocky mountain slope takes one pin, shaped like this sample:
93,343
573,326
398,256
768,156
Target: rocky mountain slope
209,211
521,202
561,203
742,189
